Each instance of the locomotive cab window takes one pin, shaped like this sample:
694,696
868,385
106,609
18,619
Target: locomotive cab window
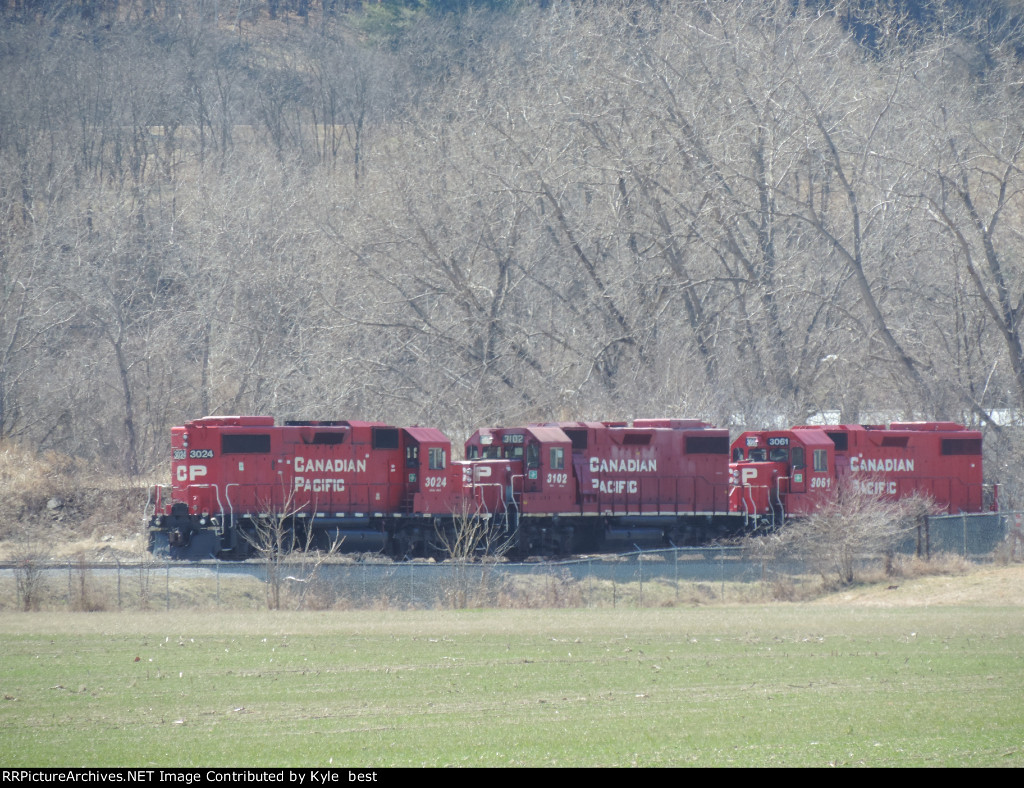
737,454
533,456
757,455
436,458
779,454
557,459
820,460
412,456
798,457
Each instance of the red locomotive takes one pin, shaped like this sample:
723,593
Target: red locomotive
586,486
327,479
781,473
544,488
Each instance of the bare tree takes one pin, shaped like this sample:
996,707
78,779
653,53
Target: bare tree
847,529
471,544
30,559
287,547
976,170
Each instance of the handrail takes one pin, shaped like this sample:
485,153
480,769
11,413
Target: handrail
231,507
778,497
216,492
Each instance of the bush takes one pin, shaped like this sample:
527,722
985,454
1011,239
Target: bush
846,529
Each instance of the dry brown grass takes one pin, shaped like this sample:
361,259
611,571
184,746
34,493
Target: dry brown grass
988,585
49,498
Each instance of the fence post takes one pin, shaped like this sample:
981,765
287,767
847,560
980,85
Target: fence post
721,567
640,570
675,554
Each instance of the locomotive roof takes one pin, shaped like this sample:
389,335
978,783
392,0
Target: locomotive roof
231,421
427,435
549,434
808,436
905,426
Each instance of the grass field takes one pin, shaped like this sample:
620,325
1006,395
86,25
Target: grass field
787,685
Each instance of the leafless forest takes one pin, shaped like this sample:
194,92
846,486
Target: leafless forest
741,212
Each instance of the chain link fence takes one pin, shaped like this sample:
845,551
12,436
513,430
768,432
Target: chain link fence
638,579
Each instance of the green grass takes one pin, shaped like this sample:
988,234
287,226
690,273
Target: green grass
788,685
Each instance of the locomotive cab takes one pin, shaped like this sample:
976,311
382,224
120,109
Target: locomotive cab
534,472
428,475
776,473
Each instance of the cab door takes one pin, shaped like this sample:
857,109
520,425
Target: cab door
532,466
798,469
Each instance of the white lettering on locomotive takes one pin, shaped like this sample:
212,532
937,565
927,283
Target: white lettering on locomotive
628,465
859,465
302,484
302,465
189,473
615,486
875,488
631,465
474,473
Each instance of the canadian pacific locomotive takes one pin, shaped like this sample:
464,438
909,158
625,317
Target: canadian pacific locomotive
791,472
539,489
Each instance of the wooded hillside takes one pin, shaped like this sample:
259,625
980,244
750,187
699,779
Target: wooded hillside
743,212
